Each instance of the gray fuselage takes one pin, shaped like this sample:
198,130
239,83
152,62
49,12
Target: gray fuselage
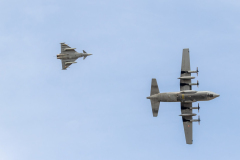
72,55
186,96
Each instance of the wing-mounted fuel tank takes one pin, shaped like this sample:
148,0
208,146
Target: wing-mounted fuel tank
70,62
69,49
188,114
186,77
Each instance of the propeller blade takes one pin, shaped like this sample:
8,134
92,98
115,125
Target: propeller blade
197,83
198,107
197,71
199,120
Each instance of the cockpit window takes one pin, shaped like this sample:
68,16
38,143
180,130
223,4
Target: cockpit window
210,95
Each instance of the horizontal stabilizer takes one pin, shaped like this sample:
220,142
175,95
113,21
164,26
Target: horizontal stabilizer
155,107
154,102
154,87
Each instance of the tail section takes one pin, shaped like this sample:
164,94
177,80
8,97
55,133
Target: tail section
154,87
154,102
85,54
155,107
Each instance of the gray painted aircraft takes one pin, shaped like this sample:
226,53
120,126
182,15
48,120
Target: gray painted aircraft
68,55
186,96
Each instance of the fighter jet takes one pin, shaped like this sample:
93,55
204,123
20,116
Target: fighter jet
186,96
68,55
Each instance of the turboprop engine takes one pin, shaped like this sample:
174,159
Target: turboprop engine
190,84
195,108
196,120
191,71
193,120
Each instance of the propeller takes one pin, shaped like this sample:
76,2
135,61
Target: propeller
197,83
198,107
199,120
197,71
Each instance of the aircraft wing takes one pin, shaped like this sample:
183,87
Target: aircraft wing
186,123
67,62
64,46
184,83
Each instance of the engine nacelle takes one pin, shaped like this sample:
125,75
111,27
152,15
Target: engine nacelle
194,120
190,71
60,56
190,84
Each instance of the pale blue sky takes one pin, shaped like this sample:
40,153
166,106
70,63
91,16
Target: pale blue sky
97,109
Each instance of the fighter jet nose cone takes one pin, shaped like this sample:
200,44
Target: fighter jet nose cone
89,54
216,95
148,97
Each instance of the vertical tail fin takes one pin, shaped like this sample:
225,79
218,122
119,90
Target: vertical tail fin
155,104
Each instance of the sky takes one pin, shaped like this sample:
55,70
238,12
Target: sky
97,108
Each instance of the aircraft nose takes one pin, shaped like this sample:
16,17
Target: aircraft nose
89,54
216,95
